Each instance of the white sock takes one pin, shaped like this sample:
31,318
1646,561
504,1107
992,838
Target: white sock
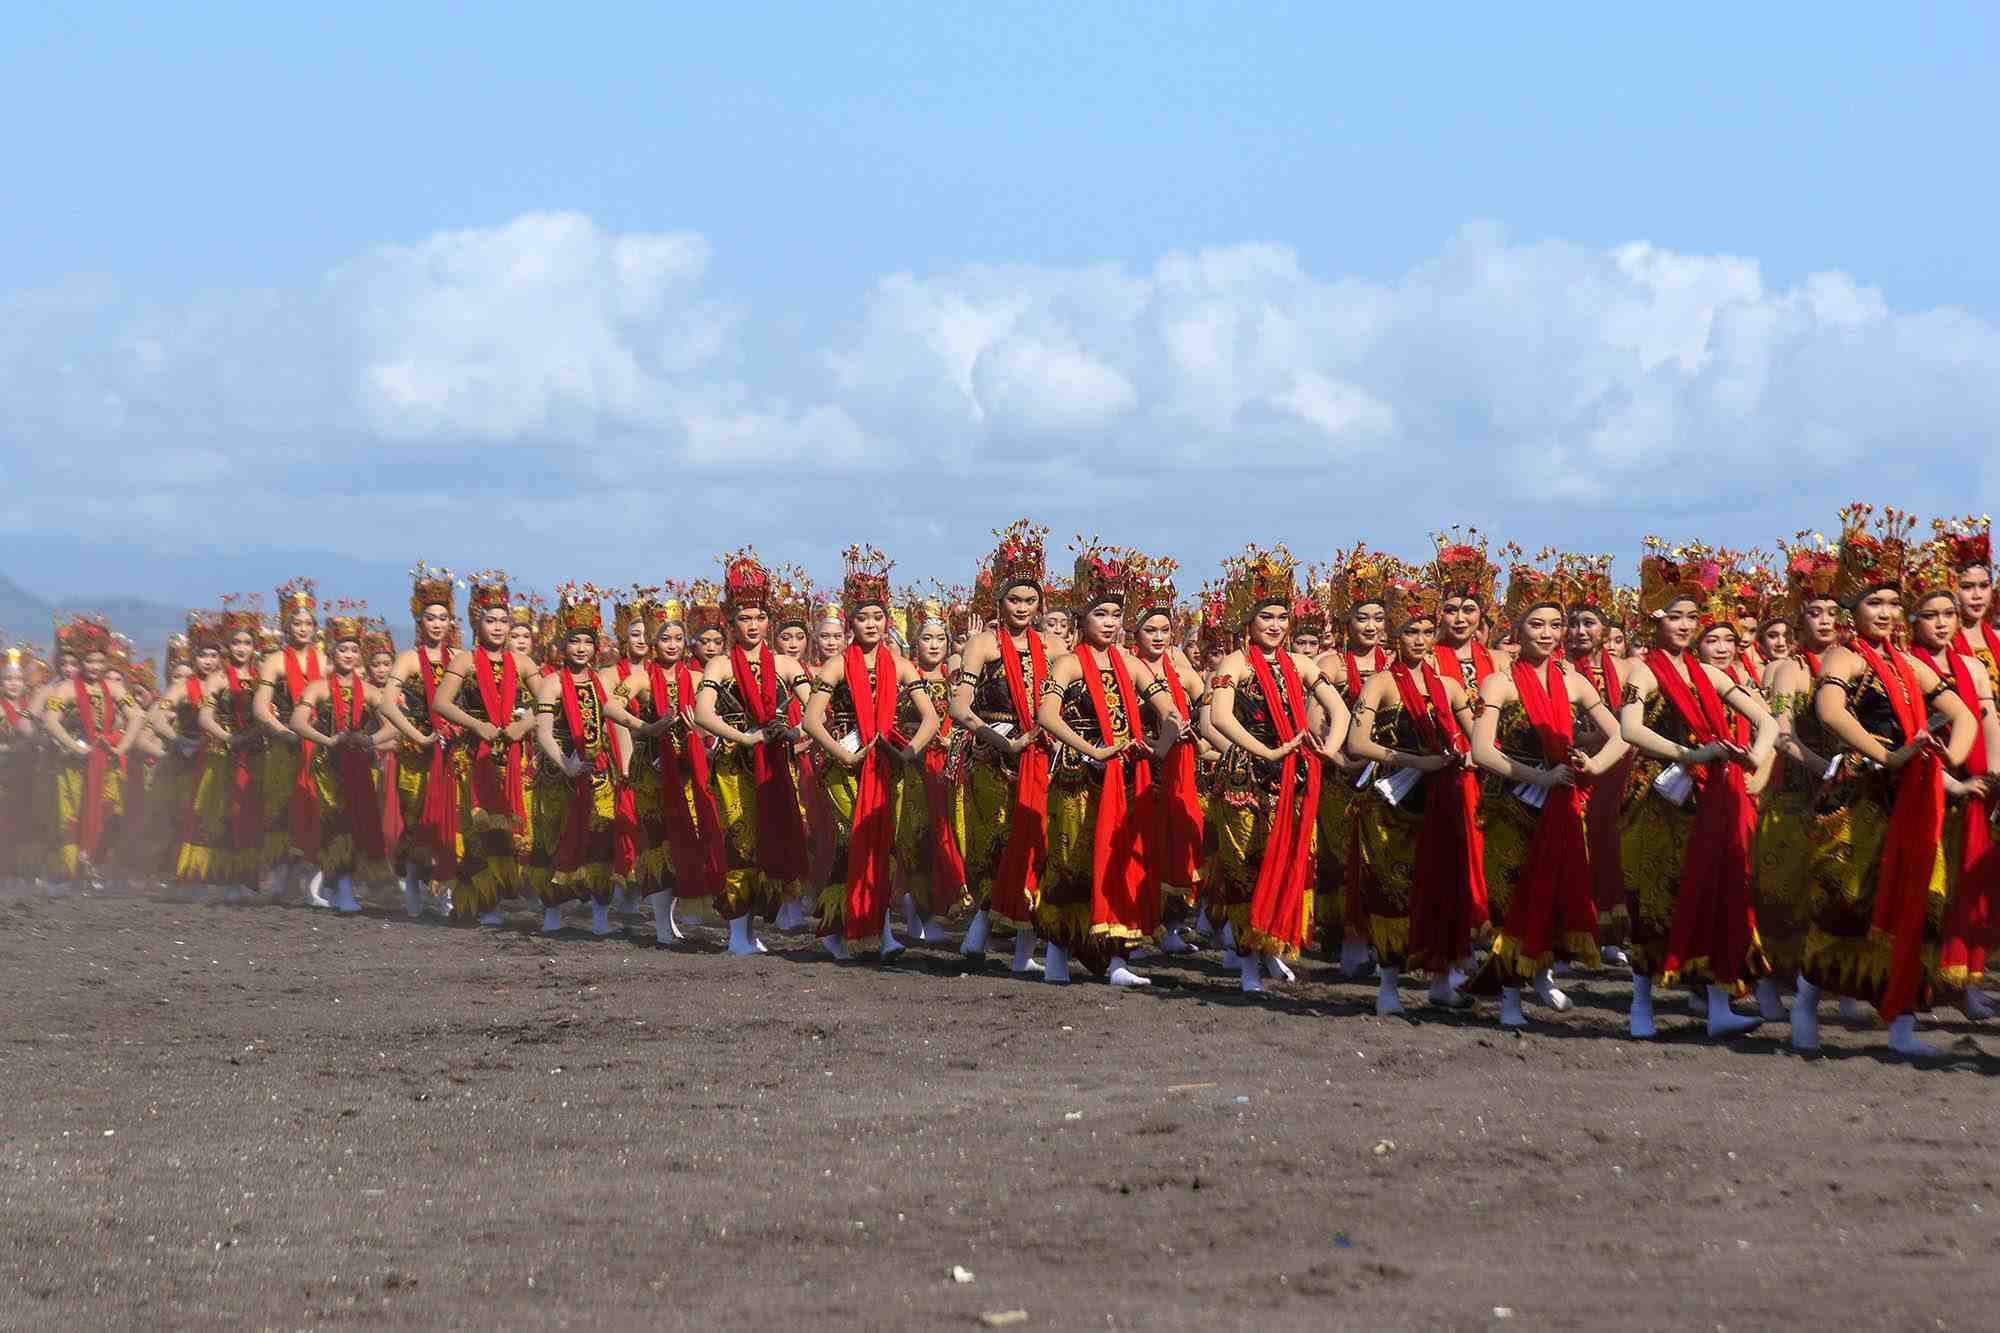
975,935
551,920
1024,950
600,918
1642,1006
739,936
1121,973
1056,966
835,945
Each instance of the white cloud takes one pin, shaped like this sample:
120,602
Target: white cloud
547,356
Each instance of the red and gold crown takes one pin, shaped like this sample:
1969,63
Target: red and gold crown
745,580
431,587
1751,584
1969,540
300,594
548,645
1874,550
704,607
81,633
346,622
204,631
579,609
529,611
632,606
1258,578
1811,569
29,661
1584,581
1357,577
1671,574
982,602
241,613
669,607
1408,597
866,582
485,590
179,652
376,639
1933,569
1100,573
1017,556
1308,608
1152,589
791,598
1217,630
1462,568
1528,583
924,609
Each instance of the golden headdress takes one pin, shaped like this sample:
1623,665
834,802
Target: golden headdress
1933,570
1968,540
1100,574
1584,582
632,606
1217,630
1256,579
1672,574
1358,577
866,582
1152,589
1408,596
1874,552
1308,608
29,661
745,580
432,587
1462,568
179,652
486,590
241,613
301,594
579,610
80,634
668,608
1528,584
346,622
204,632
1755,589
1017,556
792,599
376,639
704,607
982,602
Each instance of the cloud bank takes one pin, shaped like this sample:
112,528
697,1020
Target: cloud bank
546,389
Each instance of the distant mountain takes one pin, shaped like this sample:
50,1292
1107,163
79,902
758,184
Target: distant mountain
28,617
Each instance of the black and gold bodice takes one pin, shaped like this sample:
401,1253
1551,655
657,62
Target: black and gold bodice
840,714
416,706
1395,729
222,702
328,725
586,740
186,718
1253,714
1665,721
1081,715
472,699
729,705
992,701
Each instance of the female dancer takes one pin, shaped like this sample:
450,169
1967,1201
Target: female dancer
234,778
426,854
1101,894
20,831
1688,814
92,723
1427,896
1537,845
1360,585
741,702
851,716
1584,585
346,720
487,695
1002,751
1878,874
194,813
1264,836
575,805
291,810
930,862
1174,840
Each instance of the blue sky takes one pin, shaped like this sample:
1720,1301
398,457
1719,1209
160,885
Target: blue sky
254,196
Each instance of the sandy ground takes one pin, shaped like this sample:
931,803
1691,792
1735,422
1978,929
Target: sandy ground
276,1117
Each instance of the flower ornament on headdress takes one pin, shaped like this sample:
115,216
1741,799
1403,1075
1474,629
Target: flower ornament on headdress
1933,571
1258,578
1308,609
431,587
1673,574
1873,551
204,632
376,639
1583,582
928,610
1017,557
632,607
1968,541
1812,570
1359,577
528,611
241,613
1754,590
1462,567
1407,597
866,582
345,622
704,607
745,580
484,591
179,652
1216,631
80,634
1528,583
579,610
668,607
1100,574
301,594
1153,591
791,598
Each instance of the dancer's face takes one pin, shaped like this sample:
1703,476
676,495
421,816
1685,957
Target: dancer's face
1020,606
751,622
94,663
519,638
1306,641
1215,658
495,625
1367,625
1269,626
1586,632
346,656
1820,624
379,667
1541,632
933,646
1718,646
242,647
672,642
207,661
580,650
1675,628
1417,640
708,645
1615,642
1935,623
791,641
436,624
1103,624
1775,641
637,642
13,684
1459,620
1156,636
1975,594
301,627
1877,613
869,623
831,640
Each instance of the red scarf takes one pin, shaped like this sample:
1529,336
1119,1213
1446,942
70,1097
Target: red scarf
246,831
1713,917
493,791
12,714
1354,916
191,817
1118,862
304,805
94,719
1482,662
625,801
1448,885
947,861
575,843
1916,822
1176,842
695,852
871,843
354,770
1969,920
781,835
1278,902
1015,878
440,814
1963,643
1553,897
